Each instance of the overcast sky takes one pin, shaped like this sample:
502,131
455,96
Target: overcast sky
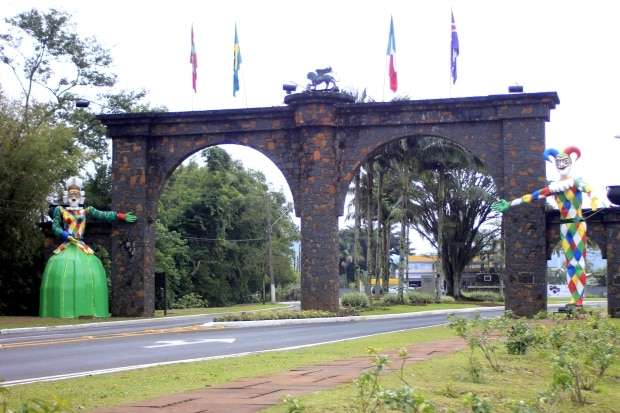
570,47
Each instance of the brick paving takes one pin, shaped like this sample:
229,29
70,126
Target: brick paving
254,394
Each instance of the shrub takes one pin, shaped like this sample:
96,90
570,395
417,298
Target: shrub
355,300
446,299
419,298
478,335
392,299
191,300
520,337
371,396
584,352
291,292
483,296
274,315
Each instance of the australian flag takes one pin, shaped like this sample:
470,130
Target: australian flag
454,49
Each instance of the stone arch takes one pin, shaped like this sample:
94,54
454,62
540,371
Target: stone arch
316,141
371,151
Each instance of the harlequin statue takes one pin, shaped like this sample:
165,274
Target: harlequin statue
568,194
74,281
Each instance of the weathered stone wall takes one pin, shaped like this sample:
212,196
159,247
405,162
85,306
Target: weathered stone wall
318,142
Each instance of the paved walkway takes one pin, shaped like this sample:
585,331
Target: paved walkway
255,394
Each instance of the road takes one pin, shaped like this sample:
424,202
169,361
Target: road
34,356
31,357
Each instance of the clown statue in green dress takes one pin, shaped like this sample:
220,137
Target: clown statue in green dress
74,281
568,194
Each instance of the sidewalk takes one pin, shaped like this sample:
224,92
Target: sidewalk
255,394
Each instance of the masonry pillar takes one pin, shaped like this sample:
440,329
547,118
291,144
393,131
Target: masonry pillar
132,244
315,127
524,226
613,262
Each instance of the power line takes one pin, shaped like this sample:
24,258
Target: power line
223,239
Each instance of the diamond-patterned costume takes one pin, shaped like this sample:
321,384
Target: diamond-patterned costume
568,195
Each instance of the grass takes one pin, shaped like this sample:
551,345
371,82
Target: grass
564,300
444,381
404,308
26,321
113,389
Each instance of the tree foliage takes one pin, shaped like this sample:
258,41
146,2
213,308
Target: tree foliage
433,186
31,160
44,139
217,215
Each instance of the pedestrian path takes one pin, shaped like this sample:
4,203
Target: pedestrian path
255,394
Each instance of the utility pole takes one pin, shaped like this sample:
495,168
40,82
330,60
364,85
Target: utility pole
272,278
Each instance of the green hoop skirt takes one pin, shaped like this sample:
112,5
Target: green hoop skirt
74,285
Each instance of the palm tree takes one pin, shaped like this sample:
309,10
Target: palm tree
456,203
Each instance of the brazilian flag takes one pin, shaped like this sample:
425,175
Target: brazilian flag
236,63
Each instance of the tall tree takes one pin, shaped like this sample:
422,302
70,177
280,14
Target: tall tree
220,210
451,215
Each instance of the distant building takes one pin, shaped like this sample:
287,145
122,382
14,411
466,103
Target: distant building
421,273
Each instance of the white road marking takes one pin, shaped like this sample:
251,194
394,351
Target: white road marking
172,343
10,383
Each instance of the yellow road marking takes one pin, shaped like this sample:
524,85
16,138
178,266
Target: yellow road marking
102,337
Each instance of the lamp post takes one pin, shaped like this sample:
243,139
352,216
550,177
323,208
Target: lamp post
272,277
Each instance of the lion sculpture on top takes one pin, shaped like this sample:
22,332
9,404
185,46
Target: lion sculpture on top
322,76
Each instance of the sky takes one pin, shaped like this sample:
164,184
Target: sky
570,47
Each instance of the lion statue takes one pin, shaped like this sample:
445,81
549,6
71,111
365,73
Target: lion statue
321,76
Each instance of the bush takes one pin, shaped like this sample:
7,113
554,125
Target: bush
483,296
419,298
520,338
355,300
446,299
392,299
191,300
274,315
291,292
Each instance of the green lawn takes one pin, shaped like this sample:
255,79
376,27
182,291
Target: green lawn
87,393
403,308
18,321
565,300
444,381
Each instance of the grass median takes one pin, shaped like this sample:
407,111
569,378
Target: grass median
114,389
445,382
26,321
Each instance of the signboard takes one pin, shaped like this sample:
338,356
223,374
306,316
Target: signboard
557,290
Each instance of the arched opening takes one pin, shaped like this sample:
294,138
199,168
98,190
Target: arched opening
418,195
595,292
224,231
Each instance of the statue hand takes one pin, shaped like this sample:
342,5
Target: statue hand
72,240
130,217
500,206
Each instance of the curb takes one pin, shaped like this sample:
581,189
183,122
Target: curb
260,323
114,323
292,321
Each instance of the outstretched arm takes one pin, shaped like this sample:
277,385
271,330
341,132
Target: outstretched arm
502,205
584,187
110,216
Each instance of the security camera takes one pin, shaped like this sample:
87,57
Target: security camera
82,103
289,88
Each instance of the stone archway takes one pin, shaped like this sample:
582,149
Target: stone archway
318,141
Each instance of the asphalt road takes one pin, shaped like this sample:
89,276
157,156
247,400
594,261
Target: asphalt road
76,353
58,353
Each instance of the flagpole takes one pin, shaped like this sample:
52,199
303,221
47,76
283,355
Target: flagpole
245,92
384,76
